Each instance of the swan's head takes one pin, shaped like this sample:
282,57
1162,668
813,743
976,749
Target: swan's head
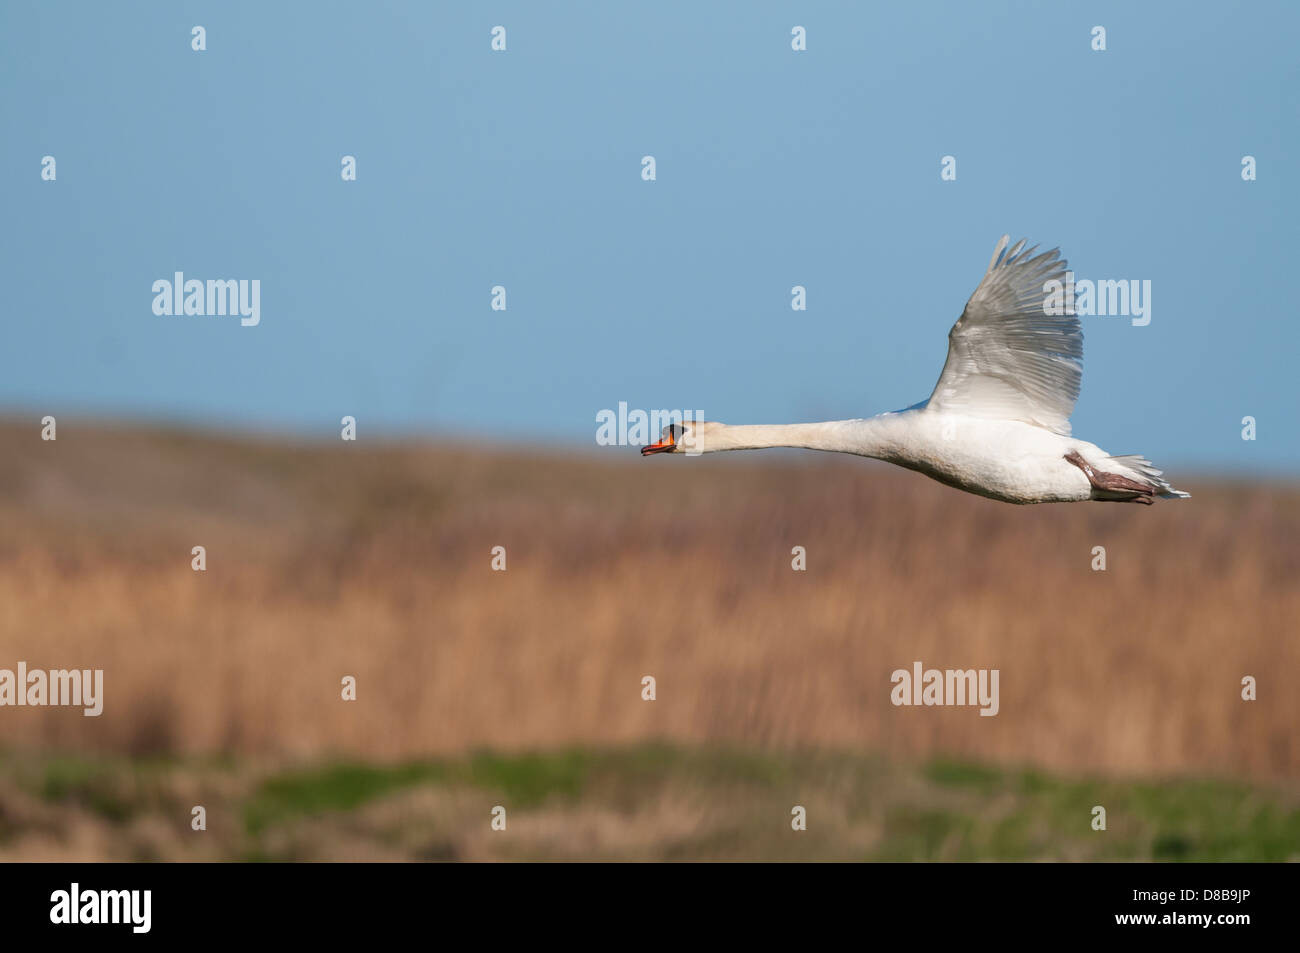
686,437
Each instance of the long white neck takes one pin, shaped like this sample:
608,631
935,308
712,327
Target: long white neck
873,437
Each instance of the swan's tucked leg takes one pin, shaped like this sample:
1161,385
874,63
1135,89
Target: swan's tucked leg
1116,488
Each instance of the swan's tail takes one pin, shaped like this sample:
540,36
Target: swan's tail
1139,468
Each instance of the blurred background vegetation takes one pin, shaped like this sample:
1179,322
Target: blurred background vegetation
522,688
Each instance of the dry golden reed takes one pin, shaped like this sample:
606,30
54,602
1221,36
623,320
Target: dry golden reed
374,560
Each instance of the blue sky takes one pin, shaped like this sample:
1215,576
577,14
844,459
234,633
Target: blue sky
523,169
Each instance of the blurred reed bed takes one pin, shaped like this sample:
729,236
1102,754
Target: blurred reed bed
373,560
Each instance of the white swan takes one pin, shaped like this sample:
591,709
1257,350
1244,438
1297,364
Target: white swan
997,423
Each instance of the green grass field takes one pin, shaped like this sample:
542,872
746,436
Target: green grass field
646,802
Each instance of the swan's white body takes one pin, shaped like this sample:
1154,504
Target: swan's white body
997,424
1002,459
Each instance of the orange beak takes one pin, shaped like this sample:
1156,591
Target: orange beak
663,446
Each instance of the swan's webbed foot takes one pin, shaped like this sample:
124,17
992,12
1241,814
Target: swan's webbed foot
1112,487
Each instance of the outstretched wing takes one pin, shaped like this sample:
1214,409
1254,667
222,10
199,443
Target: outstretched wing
1014,354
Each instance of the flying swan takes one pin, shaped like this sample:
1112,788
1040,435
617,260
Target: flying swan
998,422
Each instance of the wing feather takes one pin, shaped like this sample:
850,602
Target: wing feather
1010,355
